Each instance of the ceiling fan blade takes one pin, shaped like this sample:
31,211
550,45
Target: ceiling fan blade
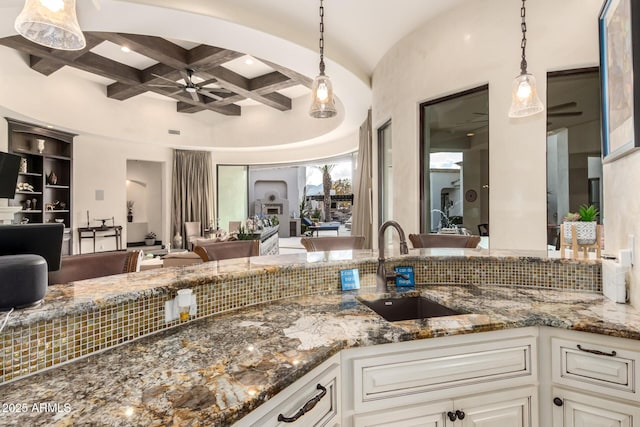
210,95
562,106
217,88
208,82
194,96
164,78
565,114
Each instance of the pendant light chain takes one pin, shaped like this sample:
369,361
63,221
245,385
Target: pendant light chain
321,44
323,103
523,43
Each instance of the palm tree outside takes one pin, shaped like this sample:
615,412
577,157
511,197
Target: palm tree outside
326,187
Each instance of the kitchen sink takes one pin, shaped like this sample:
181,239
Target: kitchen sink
395,309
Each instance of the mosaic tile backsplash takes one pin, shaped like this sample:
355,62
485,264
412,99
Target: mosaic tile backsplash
80,319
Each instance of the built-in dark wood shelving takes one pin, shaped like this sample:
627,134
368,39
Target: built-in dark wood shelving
45,150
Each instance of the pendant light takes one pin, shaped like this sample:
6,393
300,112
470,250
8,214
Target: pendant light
323,104
51,23
524,95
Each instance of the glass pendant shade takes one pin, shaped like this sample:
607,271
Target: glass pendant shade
323,104
51,23
524,97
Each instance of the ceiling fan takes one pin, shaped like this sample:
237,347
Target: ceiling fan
192,88
553,110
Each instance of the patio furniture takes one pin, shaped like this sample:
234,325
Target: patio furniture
322,226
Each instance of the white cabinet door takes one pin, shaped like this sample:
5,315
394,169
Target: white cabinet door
429,415
581,410
509,408
512,408
318,392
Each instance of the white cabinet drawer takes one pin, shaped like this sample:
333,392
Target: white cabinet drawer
412,376
431,373
321,387
595,367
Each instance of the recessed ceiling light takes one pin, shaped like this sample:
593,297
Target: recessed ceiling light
50,126
125,49
470,134
248,61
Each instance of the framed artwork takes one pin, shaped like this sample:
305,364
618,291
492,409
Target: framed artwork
619,24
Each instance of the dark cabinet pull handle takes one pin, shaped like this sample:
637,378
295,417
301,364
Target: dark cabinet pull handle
452,416
460,415
306,407
598,352
557,401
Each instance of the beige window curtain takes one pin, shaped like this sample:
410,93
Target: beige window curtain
362,219
192,192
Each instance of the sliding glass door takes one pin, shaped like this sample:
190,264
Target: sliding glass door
232,194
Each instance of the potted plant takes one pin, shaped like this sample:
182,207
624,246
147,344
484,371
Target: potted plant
150,238
585,225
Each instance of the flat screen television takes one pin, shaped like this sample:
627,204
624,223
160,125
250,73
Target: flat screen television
36,239
9,167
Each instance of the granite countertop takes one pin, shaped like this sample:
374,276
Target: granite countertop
215,370
85,295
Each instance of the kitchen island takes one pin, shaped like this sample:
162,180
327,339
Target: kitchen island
215,370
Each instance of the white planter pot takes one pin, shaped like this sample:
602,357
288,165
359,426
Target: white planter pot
585,231
149,242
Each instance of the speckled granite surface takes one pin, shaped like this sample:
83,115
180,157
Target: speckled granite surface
215,370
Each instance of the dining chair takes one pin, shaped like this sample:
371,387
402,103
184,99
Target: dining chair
316,244
434,240
216,251
193,231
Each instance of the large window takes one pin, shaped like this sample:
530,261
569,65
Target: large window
233,195
454,163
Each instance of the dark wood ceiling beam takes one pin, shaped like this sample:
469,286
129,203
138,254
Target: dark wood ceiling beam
49,66
108,68
156,48
204,56
90,62
149,74
184,98
121,91
183,107
241,85
227,110
300,78
273,81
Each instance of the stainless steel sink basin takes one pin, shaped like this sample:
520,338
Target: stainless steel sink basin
395,309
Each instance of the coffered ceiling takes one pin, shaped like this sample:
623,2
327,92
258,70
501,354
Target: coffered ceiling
199,77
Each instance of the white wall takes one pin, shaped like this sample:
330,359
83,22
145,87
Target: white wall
622,202
101,164
472,45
